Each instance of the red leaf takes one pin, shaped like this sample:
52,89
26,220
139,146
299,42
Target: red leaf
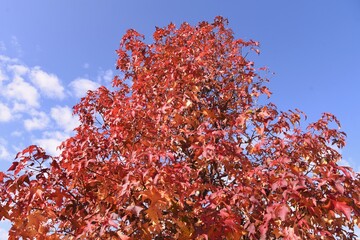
13,166
29,149
223,213
263,230
2,175
180,148
344,208
339,187
135,209
23,178
282,211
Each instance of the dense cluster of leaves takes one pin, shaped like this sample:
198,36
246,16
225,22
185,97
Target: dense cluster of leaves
182,150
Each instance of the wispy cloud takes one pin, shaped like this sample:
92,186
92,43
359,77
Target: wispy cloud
3,77
17,89
6,59
22,91
50,141
64,118
5,113
106,76
18,69
80,86
4,153
39,121
49,84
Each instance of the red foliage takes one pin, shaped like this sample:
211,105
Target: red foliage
182,150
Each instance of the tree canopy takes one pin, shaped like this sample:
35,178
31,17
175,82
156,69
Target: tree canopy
185,146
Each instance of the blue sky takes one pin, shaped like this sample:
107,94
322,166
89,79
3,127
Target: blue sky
51,52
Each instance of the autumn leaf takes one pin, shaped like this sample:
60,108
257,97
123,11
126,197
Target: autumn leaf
282,211
343,208
190,149
13,166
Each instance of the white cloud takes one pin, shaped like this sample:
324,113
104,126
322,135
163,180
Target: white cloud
3,77
80,86
64,118
49,84
108,75
50,145
39,121
22,91
18,69
50,141
7,59
4,153
19,107
5,113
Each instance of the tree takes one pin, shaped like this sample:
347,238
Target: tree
182,149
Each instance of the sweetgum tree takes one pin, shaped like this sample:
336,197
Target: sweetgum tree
181,149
